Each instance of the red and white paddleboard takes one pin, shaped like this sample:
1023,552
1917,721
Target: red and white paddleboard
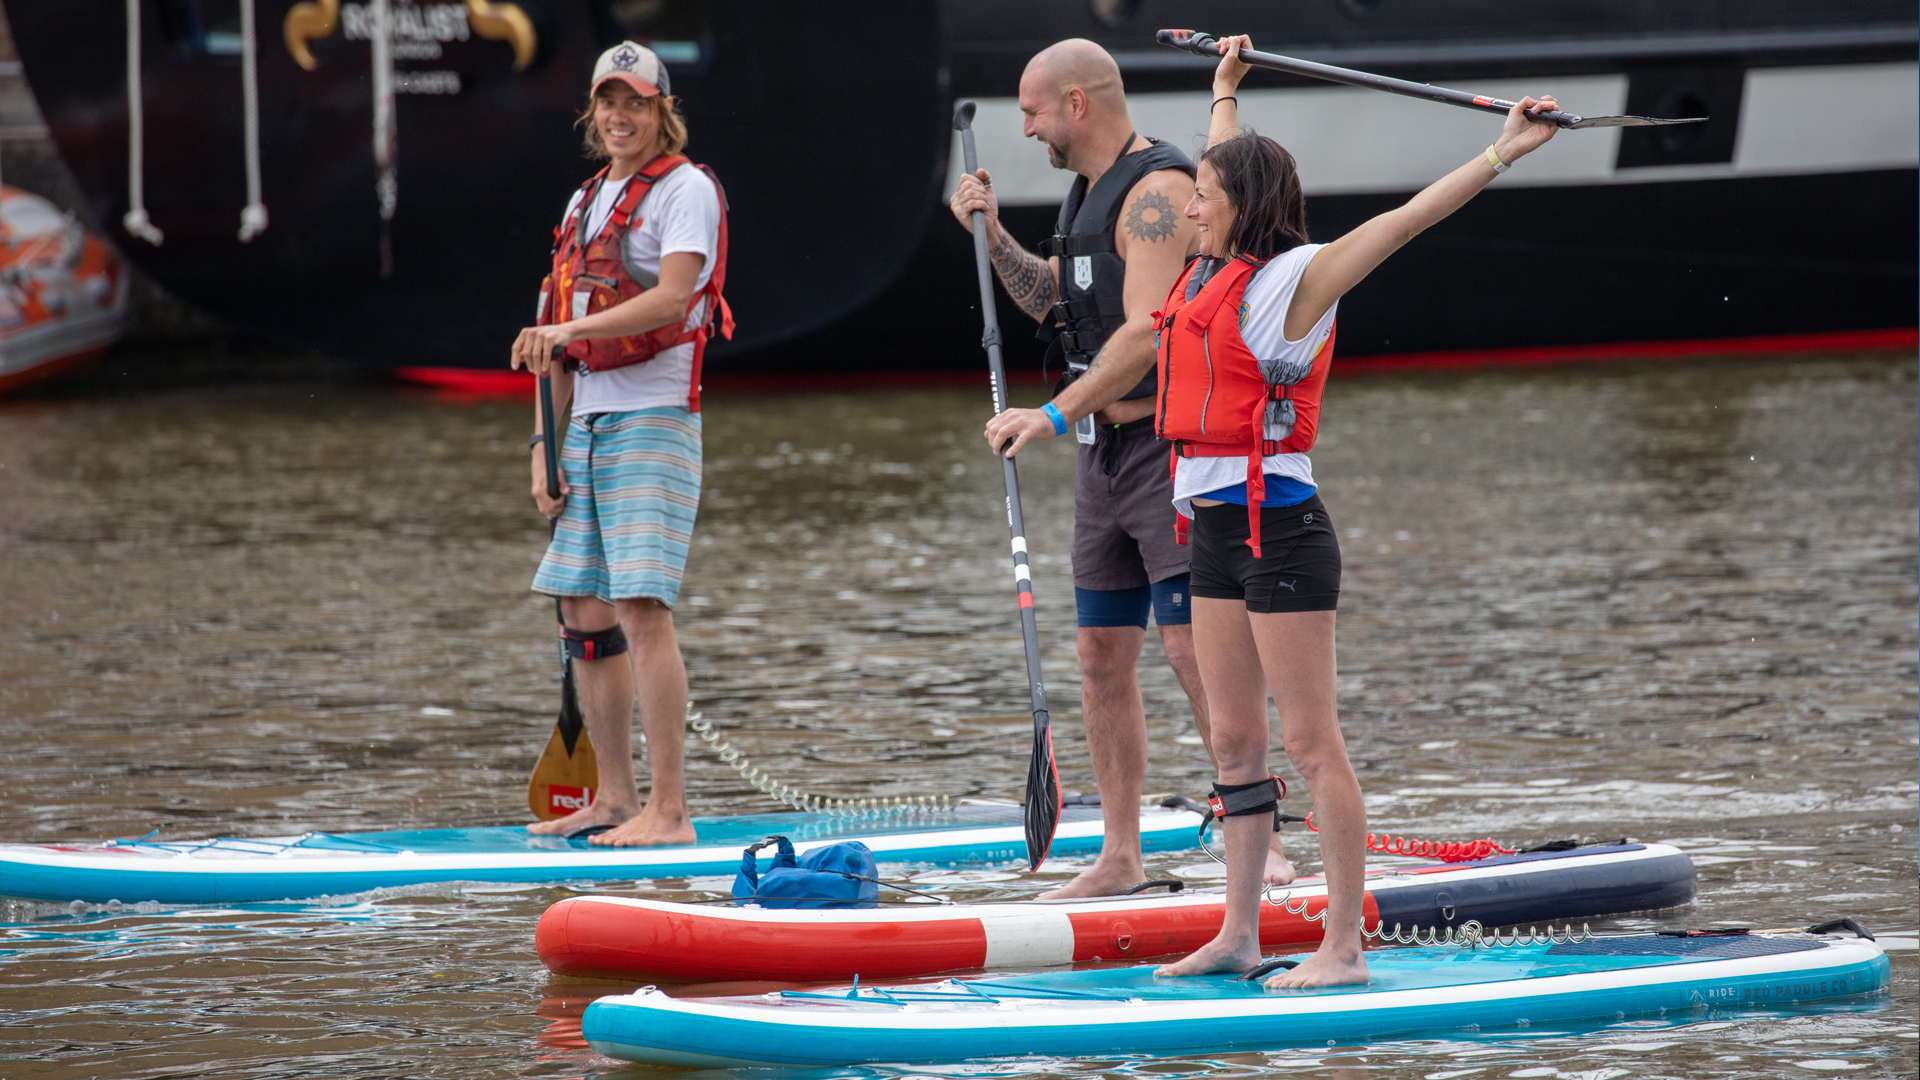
625,938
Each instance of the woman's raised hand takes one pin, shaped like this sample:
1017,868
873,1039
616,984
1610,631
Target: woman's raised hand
1226,77
1521,136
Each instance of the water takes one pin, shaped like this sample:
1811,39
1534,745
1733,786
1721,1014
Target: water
1672,603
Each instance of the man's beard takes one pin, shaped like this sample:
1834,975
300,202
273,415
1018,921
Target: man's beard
1056,153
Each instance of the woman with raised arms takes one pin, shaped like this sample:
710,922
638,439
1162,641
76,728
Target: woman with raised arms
1245,341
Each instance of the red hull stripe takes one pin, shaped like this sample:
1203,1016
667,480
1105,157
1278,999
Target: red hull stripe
601,937
499,381
1839,341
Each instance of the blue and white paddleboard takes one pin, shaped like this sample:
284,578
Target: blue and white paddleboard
234,870
1128,1011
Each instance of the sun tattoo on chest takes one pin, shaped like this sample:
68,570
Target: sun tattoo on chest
1150,218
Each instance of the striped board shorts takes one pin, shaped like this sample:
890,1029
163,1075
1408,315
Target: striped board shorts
635,480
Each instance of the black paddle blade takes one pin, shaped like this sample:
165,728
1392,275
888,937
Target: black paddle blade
571,722
1630,121
1043,794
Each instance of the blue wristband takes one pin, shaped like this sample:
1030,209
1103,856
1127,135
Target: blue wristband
1059,420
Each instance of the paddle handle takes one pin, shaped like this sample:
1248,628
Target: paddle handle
1201,43
1016,524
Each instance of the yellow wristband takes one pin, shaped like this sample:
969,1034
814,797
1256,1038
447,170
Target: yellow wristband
1493,159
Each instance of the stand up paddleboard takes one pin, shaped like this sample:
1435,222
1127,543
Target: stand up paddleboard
234,870
1128,1011
623,938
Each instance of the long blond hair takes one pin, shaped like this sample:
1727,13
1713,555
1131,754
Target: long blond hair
666,116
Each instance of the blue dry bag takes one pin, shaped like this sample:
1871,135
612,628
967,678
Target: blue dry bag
836,876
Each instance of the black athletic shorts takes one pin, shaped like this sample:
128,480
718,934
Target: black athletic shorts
1300,567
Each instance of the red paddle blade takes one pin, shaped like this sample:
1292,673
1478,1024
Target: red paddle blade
1043,794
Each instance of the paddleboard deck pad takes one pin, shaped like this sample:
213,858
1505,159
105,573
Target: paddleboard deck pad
626,938
1111,1012
232,870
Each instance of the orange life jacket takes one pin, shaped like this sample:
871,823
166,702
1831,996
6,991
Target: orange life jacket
590,277
1214,400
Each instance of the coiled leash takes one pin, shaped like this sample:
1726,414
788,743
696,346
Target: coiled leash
808,803
1447,852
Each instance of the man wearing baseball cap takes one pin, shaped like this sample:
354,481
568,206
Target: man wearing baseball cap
632,299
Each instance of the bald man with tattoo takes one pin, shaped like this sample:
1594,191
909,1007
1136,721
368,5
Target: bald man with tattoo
1118,247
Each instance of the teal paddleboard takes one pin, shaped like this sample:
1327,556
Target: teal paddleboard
1129,1011
234,869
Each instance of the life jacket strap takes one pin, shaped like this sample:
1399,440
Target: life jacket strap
1089,307
1061,245
1185,449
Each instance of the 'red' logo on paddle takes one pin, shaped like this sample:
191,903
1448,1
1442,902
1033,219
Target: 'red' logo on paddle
563,800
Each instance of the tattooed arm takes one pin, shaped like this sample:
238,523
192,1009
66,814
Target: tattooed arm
1030,280
1155,240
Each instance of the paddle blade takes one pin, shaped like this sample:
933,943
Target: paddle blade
1630,121
565,776
1043,794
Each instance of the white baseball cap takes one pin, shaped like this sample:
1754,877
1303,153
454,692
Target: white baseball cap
635,65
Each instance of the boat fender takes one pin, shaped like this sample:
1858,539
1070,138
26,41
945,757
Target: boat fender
835,876
593,644
1239,800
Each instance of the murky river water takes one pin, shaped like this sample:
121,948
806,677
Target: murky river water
1670,603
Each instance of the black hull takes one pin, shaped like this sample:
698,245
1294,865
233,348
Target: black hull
1622,263
832,138
783,113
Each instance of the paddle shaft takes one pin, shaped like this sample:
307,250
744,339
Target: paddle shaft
1203,44
570,727
1016,524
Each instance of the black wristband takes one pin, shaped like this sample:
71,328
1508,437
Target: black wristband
1218,100
538,438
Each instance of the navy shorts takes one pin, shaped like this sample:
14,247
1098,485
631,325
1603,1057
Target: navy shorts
1168,600
1300,565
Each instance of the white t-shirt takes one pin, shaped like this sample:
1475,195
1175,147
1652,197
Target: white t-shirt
1263,318
681,213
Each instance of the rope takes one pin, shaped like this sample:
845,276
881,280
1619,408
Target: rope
387,187
1445,851
1469,935
800,800
136,222
253,219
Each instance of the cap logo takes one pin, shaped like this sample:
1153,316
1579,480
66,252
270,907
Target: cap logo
624,59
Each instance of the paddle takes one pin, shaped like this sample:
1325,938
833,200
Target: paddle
564,778
1203,44
1043,776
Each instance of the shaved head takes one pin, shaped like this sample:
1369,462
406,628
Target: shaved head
1077,62
1071,96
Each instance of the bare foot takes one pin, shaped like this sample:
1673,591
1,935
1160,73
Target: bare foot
601,812
1213,957
1279,870
652,827
1103,878
1324,968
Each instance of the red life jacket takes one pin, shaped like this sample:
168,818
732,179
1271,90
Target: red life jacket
1214,399
588,278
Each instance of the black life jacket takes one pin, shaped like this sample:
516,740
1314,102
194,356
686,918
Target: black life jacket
1092,277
